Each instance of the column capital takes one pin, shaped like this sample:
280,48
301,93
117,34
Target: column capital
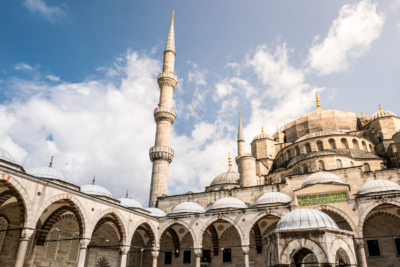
359,242
197,252
155,253
124,249
27,233
84,243
245,249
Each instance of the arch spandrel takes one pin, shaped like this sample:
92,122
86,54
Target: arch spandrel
10,181
116,214
342,214
364,215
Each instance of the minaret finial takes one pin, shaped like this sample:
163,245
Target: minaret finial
173,13
51,162
380,107
94,179
318,104
127,190
170,46
240,130
262,129
230,162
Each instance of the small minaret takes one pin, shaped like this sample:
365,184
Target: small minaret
240,137
161,154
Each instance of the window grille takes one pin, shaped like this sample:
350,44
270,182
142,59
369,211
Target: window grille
187,255
364,146
321,165
30,246
3,228
52,244
355,144
332,144
373,248
227,255
74,249
345,145
320,146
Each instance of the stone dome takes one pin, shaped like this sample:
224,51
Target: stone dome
228,203
382,113
262,135
305,219
156,212
319,134
130,203
273,198
95,190
49,173
226,178
379,185
322,178
5,155
191,207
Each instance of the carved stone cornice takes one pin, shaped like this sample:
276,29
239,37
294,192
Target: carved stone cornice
164,114
161,152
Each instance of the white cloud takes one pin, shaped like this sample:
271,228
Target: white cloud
51,13
53,78
198,77
349,37
23,66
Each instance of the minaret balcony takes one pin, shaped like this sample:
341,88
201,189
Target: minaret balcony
167,79
164,114
161,152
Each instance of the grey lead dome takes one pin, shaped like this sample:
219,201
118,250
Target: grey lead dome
322,178
305,219
96,190
226,178
5,155
379,185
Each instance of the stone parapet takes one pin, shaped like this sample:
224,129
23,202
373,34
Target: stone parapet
164,114
167,79
161,152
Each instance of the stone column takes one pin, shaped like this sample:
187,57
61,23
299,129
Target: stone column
362,260
82,252
124,255
155,254
23,245
197,253
246,256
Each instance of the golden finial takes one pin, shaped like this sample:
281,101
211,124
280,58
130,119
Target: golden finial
380,107
51,162
173,14
318,104
230,162
94,178
262,129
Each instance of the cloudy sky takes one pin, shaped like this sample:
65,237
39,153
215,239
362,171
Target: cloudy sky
78,79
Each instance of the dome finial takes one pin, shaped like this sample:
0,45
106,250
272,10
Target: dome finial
173,11
262,129
230,162
318,104
51,162
127,190
94,179
380,107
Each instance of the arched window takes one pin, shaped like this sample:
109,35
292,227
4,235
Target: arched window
297,151
339,164
345,145
351,164
321,165
371,149
305,169
74,249
3,228
366,167
355,144
308,148
30,246
364,146
288,154
332,144
320,146
52,246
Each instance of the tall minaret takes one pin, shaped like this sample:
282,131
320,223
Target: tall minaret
161,154
240,137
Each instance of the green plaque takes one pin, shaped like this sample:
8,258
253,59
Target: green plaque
322,199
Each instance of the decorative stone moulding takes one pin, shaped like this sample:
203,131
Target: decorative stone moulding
161,152
164,114
167,79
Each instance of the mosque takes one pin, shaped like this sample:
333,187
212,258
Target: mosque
323,190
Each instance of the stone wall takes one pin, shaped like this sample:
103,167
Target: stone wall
11,241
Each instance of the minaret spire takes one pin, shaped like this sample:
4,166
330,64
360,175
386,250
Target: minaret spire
161,154
240,137
318,104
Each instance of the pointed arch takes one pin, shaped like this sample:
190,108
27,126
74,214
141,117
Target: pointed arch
296,245
148,227
340,244
116,219
342,214
214,237
221,217
177,221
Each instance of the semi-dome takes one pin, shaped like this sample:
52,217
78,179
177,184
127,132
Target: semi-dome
228,203
322,178
5,155
319,134
305,219
262,135
130,203
95,190
191,207
156,212
226,178
49,173
379,185
382,113
273,198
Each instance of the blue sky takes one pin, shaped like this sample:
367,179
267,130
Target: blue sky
78,78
